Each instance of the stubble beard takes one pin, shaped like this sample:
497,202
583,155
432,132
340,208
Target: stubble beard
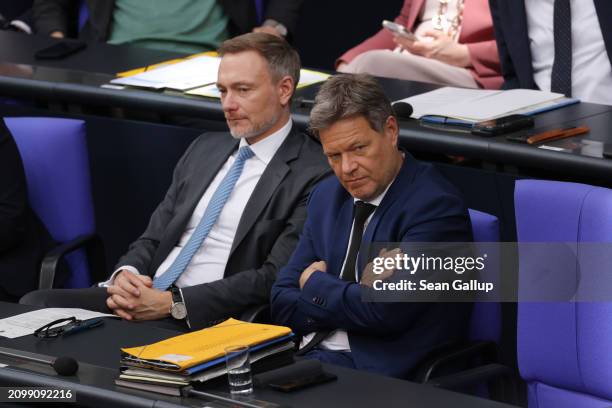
255,130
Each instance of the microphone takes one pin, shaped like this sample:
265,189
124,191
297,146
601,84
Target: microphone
64,366
403,110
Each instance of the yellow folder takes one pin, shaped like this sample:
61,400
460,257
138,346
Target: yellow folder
188,350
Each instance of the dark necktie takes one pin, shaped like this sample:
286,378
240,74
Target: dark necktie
361,212
208,220
561,77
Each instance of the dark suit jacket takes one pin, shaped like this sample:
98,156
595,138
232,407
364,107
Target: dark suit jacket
511,32
62,15
23,238
267,232
388,338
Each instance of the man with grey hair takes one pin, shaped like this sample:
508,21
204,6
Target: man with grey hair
234,210
379,194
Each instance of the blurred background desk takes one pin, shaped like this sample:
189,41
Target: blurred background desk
73,86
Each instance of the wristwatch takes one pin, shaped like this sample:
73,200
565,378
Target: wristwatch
178,309
280,27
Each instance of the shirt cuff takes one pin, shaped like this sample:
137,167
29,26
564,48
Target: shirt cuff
110,280
21,26
186,308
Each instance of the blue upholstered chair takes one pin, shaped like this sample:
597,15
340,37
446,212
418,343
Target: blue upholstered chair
83,15
564,347
479,353
485,324
54,153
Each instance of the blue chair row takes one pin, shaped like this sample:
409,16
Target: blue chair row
55,157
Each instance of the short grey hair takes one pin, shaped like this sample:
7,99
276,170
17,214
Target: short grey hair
282,58
346,95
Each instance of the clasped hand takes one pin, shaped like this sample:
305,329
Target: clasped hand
132,297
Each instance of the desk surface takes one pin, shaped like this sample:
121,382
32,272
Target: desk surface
77,80
97,351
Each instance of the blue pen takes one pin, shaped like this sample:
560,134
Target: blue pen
81,325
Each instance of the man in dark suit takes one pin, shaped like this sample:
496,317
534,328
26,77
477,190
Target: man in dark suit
379,194
60,18
23,238
559,45
233,212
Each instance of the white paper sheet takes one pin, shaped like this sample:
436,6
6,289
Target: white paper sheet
26,323
477,104
181,76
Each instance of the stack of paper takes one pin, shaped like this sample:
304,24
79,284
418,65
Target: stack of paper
196,74
187,74
459,105
199,356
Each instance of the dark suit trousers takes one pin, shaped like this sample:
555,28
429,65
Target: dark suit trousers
339,358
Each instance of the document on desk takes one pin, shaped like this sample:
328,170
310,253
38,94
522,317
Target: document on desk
475,105
26,323
181,76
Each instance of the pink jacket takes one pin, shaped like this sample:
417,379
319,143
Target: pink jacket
476,32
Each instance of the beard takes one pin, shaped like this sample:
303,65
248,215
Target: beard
256,129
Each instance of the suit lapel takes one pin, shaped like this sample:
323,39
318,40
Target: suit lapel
340,236
604,14
413,15
272,176
203,173
393,194
519,40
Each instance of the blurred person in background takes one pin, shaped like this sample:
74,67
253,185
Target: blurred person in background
187,26
454,45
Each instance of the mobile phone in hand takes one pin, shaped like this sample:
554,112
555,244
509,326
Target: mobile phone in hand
398,29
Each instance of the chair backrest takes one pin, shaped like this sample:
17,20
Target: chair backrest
563,347
55,158
83,14
259,10
485,323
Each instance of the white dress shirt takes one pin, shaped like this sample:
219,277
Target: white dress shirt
208,263
591,70
338,339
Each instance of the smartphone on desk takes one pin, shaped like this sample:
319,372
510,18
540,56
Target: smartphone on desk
500,126
300,383
398,29
60,50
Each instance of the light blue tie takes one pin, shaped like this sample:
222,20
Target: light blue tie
209,219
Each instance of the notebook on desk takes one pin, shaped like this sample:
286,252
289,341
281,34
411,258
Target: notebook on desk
200,349
459,106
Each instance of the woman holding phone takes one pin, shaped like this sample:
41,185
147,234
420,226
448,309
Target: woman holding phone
453,44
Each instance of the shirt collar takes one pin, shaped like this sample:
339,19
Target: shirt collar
376,200
266,148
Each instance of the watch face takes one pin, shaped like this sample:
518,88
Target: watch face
178,311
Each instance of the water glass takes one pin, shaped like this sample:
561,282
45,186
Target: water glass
239,370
